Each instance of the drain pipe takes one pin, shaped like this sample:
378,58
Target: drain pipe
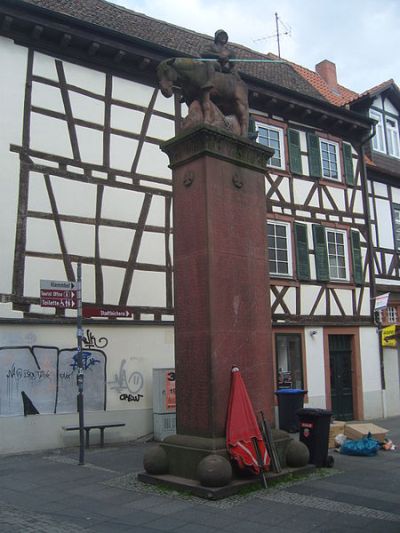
370,251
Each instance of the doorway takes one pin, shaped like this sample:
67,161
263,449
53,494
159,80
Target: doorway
341,372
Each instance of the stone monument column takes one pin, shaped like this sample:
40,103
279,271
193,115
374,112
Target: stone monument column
222,304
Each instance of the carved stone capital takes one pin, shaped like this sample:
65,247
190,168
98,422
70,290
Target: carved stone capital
208,140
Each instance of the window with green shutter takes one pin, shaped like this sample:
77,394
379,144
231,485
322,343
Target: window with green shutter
321,255
302,252
294,152
348,164
314,157
356,256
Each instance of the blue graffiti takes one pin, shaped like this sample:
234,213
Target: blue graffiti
88,360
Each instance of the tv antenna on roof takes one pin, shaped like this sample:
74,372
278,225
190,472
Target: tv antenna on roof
280,25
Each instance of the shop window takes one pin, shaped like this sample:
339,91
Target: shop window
289,361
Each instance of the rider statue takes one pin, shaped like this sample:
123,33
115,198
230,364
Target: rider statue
222,55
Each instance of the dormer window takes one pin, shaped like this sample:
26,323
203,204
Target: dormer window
392,132
386,139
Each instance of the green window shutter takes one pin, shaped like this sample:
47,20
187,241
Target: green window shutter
348,164
294,152
321,255
302,252
356,256
314,157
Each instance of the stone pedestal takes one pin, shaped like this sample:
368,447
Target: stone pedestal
222,305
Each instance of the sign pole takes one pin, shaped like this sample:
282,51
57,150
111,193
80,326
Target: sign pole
79,377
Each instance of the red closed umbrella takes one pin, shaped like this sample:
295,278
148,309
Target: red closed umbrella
243,436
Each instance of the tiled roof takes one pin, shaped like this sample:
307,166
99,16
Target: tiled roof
181,40
343,95
374,90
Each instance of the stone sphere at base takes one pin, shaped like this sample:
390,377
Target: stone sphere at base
214,471
297,454
156,461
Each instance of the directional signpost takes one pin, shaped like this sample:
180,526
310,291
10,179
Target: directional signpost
60,294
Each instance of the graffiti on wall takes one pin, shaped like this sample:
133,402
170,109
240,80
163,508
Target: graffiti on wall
42,379
128,383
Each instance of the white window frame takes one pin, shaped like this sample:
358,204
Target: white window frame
396,225
392,133
281,141
288,249
334,276
335,146
391,314
378,140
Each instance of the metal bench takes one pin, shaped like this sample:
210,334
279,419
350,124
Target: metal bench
101,426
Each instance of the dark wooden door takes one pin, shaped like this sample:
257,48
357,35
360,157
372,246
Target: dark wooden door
341,376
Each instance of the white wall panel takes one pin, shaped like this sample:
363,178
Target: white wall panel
90,143
166,105
126,119
123,152
161,128
74,197
115,243
153,162
12,89
85,78
86,108
301,190
37,268
132,92
38,199
47,97
152,249
148,288
380,189
50,135
79,238
120,204
315,363
45,66
395,195
384,218
41,236
370,365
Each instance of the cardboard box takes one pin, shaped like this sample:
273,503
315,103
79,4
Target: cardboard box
335,428
358,431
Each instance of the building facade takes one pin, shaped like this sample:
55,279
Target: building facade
84,180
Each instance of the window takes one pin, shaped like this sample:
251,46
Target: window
388,316
396,220
329,158
378,140
289,362
272,137
392,132
337,254
386,138
331,249
279,249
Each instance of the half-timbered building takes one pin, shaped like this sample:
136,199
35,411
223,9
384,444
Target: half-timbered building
83,180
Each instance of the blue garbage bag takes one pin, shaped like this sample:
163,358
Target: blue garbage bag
367,446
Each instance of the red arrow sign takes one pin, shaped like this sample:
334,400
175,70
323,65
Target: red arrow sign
89,311
64,299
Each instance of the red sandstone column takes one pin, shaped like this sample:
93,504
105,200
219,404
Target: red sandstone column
222,303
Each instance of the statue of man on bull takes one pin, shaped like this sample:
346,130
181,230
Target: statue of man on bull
211,87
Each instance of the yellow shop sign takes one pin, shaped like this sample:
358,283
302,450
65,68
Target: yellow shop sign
388,339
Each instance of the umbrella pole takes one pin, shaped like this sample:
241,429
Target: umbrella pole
260,462
270,445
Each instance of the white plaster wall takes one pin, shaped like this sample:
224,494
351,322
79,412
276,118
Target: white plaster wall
384,221
131,354
395,195
370,372
391,362
12,92
315,367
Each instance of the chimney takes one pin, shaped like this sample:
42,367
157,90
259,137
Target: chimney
327,70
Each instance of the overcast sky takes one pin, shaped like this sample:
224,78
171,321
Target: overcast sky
361,36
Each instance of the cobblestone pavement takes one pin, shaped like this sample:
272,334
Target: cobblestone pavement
50,493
